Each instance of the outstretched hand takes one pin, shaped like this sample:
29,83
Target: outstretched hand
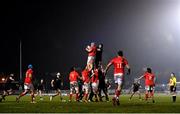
129,71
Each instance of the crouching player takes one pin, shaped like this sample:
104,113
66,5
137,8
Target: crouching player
149,84
28,85
135,87
73,77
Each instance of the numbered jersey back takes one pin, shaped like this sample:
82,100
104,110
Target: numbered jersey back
119,64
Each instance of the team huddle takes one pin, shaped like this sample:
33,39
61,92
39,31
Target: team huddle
93,80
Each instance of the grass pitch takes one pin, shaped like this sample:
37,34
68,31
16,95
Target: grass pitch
163,104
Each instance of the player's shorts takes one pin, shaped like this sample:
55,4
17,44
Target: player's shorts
90,59
95,86
149,88
86,86
172,89
73,86
40,87
28,87
57,87
118,78
7,87
135,89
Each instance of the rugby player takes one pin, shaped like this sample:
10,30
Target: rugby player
28,85
40,89
102,85
98,59
56,85
73,78
8,87
135,87
119,63
86,83
95,83
172,86
91,55
149,84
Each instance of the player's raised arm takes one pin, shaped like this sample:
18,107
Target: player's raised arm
52,83
107,67
88,49
127,66
140,77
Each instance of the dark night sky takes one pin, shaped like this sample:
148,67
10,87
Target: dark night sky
54,34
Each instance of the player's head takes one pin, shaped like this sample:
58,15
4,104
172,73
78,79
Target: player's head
106,80
11,75
120,53
149,70
172,74
42,80
30,66
136,80
92,44
100,45
58,74
73,68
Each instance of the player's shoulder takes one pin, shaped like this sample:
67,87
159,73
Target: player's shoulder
29,71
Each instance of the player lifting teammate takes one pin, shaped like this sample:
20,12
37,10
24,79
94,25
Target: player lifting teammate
149,84
119,63
28,85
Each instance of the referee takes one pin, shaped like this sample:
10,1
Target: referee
172,86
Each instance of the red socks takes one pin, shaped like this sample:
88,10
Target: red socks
86,96
77,96
117,93
70,97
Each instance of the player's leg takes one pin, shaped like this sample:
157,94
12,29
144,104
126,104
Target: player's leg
91,93
95,91
77,92
118,90
114,98
174,94
82,93
105,93
139,94
56,93
146,92
99,93
22,94
152,93
41,95
132,95
32,93
26,90
71,92
59,93
86,92
5,93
